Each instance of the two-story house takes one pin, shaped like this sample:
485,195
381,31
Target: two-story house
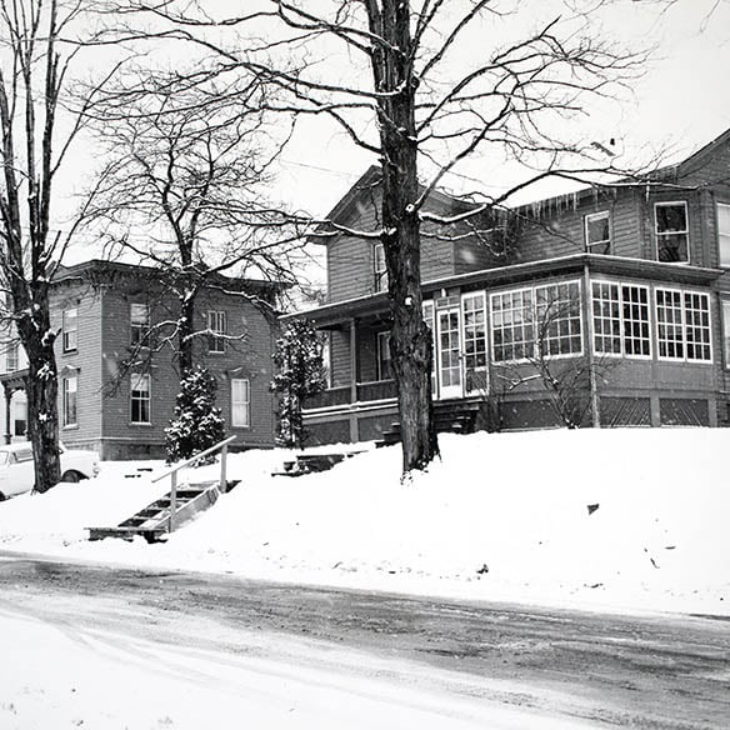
117,377
636,278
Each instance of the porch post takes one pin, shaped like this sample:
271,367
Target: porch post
8,401
588,341
354,430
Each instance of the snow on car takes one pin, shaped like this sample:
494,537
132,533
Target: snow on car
17,471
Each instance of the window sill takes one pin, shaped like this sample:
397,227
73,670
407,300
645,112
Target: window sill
70,352
146,424
70,427
246,428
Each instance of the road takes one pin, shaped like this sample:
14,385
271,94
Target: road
597,669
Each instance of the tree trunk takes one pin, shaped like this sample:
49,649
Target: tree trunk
42,394
410,340
186,329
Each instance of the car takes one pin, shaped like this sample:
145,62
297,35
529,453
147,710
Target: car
17,471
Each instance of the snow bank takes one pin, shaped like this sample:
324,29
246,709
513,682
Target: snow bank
502,516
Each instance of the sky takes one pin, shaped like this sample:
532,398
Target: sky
679,103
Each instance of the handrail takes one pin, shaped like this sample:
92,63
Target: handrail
177,467
172,473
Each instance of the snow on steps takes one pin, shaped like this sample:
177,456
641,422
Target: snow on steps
153,522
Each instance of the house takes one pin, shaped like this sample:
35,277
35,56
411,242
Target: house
117,379
636,278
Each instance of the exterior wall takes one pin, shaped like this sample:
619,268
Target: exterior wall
84,362
248,357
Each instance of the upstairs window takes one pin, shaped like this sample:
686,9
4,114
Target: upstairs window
11,357
70,329
672,232
598,232
723,233
381,271
240,402
70,388
139,321
217,330
385,370
139,397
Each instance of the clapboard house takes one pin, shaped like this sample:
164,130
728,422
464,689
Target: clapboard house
630,282
117,374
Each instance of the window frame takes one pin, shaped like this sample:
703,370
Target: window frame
67,391
533,322
658,235
148,399
380,275
217,336
621,285
726,263
139,333
68,332
599,215
725,314
12,347
683,293
246,403
382,352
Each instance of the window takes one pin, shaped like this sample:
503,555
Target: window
598,232
385,371
513,331
672,233
139,321
683,325
70,387
11,357
217,328
240,403
139,396
380,268
723,233
70,328
475,341
621,319
558,319
548,314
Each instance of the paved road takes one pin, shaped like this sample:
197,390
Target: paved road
647,672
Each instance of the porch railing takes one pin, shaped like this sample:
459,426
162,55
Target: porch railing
338,396
377,390
221,446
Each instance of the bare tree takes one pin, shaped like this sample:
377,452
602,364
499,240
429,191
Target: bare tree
37,133
404,88
184,190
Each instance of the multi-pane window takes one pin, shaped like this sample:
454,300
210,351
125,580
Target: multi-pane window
475,340
70,329
139,320
672,232
240,402
723,233
683,325
11,357
70,388
598,232
380,269
217,329
385,370
513,329
621,319
558,319
139,397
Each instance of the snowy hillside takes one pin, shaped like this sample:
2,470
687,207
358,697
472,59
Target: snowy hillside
502,516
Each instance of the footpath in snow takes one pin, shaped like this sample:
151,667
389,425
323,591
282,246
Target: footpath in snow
625,519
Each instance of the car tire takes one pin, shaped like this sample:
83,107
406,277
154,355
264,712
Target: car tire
2,497
71,476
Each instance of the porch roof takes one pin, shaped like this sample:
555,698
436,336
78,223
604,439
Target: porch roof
377,304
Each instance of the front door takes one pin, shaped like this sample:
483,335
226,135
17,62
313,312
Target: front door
448,326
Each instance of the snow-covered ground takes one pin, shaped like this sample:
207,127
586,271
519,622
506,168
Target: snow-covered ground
500,517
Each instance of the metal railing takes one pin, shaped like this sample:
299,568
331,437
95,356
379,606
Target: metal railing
172,473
